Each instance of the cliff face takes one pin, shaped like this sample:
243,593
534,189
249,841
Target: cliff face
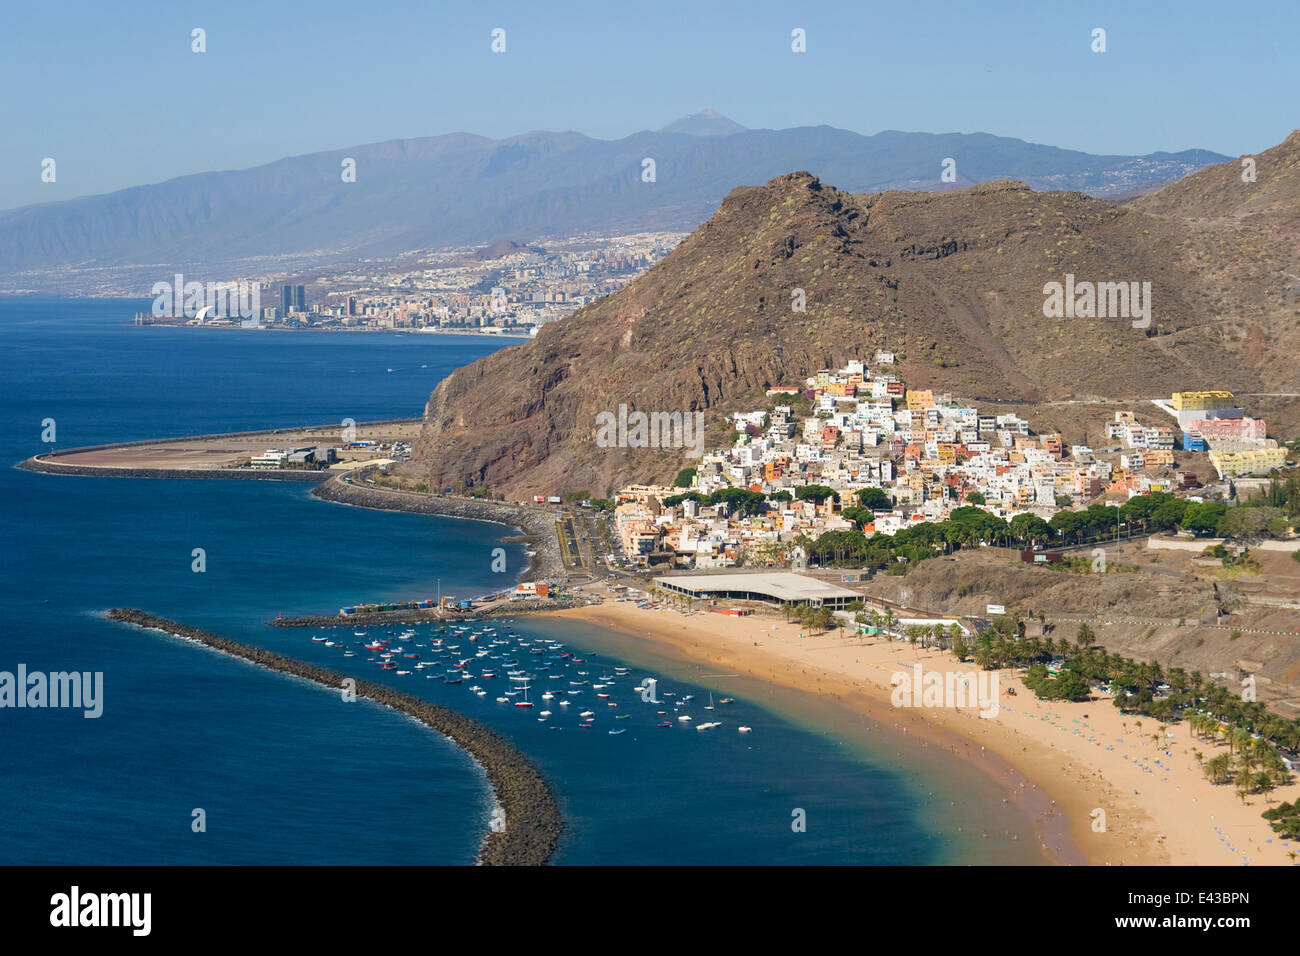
952,282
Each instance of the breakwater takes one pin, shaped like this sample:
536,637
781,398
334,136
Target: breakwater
537,524
424,615
43,464
532,819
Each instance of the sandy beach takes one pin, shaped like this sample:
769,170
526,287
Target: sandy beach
1158,807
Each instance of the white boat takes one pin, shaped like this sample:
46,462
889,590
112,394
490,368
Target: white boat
744,730
501,700
706,726
684,717
587,713
710,707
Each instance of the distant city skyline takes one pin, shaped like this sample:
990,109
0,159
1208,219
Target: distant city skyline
118,98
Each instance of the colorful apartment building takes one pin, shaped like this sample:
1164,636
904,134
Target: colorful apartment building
1230,428
1248,461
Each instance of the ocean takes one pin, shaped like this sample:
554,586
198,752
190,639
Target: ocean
285,772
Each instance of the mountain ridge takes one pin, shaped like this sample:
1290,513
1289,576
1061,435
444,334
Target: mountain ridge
953,282
464,189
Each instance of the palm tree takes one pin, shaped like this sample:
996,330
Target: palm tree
1218,769
1248,759
1245,786
1238,738
1264,783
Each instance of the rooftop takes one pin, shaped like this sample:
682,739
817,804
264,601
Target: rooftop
781,585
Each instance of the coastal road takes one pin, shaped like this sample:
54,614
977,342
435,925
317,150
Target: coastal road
570,544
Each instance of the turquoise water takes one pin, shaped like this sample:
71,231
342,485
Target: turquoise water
287,772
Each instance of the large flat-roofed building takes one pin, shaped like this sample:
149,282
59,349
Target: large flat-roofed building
771,587
1229,464
1195,401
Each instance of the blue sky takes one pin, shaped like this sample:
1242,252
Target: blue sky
115,95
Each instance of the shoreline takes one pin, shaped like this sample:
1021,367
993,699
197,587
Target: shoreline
337,331
1076,758
1061,762
533,823
536,526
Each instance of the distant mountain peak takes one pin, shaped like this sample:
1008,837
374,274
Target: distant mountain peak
704,123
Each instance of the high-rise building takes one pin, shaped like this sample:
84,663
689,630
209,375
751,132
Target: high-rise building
352,305
300,298
286,299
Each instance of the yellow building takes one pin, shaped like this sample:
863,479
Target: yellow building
1231,463
920,398
1194,401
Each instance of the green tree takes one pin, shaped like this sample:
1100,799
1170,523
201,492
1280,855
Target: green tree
816,493
875,499
1218,769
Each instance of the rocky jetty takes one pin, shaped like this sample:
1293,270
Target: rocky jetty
532,819
424,615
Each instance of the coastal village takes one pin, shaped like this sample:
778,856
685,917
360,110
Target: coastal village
820,448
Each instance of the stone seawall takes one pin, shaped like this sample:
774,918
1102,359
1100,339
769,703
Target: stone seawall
532,819
537,524
422,615
48,467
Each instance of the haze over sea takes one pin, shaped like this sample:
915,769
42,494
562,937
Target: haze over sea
285,771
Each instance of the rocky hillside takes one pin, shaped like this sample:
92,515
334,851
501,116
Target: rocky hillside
950,281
